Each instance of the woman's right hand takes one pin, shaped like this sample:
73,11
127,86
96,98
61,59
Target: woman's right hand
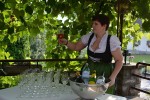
63,41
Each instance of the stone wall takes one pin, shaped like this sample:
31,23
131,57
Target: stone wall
125,80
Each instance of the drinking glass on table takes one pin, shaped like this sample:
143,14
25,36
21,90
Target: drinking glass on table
24,79
64,80
30,90
57,77
56,85
48,82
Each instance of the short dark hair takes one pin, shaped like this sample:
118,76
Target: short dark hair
103,19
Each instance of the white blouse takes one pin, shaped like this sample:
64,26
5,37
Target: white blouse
114,42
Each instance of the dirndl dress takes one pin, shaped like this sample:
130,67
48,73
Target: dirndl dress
104,65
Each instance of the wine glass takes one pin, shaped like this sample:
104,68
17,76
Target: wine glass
60,35
100,79
64,80
23,83
48,82
55,85
30,90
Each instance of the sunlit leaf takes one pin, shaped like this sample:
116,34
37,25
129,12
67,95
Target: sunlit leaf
136,26
7,54
13,38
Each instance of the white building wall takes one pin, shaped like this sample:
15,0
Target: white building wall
142,47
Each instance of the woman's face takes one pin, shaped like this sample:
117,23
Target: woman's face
97,27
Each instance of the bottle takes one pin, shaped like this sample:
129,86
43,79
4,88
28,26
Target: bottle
92,79
86,73
78,78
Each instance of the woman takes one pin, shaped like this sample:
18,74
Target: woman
101,47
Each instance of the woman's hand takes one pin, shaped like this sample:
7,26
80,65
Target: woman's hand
63,41
78,46
112,82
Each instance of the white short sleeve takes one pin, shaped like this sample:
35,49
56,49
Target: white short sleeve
114,43
85,38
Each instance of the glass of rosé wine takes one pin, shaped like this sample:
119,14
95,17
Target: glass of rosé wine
60,35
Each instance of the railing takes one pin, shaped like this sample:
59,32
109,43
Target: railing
28,64
141,76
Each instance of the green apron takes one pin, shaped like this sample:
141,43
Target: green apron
102,68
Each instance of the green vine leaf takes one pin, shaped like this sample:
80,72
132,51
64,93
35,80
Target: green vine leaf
48,10
34,31
37,22
2,6
10,4
24,1
23,21
10,30
29,10
2,25
18,13
145,25
136,27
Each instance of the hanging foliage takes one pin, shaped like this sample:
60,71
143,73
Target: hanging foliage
34,17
